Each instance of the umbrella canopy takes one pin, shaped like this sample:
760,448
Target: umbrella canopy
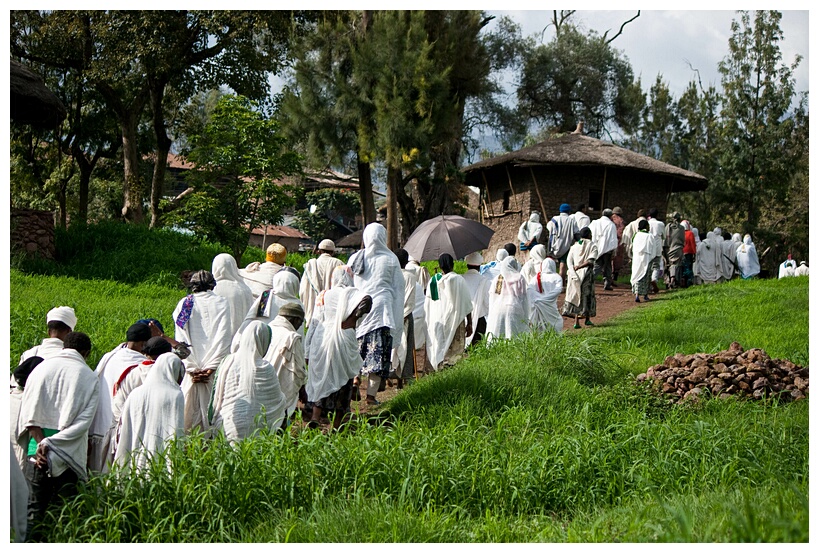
450,234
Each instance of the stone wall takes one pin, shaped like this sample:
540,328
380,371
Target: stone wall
32,232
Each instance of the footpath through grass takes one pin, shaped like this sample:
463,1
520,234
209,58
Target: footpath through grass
544,438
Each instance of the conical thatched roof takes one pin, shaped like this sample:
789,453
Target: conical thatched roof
31,102
579,150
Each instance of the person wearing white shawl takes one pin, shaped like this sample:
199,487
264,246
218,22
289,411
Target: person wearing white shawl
508,313
59,321
709,267
419,323
492,269
231,286
630,230
531,268
657,229
153,415
802,270
562,229
19,501
747,258
317,276
286,353
332,348
259,276
403,352
604,234
643,248
109,370
377,274
265,308
449,314
247,395
728,259
19,377
580,300
59,403
421,273
787,267
544,288
580,217
478,286
530,231
201,320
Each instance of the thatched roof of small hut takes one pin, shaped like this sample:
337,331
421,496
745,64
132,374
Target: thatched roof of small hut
579,150
31,102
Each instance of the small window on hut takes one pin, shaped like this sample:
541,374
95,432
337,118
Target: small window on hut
506,196
597,200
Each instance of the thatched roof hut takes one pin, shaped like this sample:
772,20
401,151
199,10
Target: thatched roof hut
574,169
31,102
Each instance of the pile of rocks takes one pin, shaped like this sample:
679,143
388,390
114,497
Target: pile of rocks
32,232
751,374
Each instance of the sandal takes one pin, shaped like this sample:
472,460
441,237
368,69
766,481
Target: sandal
589,323
576,325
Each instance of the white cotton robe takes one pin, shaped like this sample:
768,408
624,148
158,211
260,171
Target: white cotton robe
787,268
478,286
747,258
709,253
153,414
381,279
561,234
445,315
49,348
62,393
231,286
508,303
728,258
286,354
543,291
532,266
530,229
419,318
259,276
421,273
247,395
19,500
399,349
208,333
317,277
604,234
643,248
109,370
334,357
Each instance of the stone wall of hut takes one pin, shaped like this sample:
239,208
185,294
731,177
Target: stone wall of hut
32,233
509,206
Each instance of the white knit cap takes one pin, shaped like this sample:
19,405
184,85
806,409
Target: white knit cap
327,245
475,258
64,315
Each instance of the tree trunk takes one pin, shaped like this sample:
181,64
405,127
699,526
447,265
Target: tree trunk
393,182
61,197
132,190
365,188
163,147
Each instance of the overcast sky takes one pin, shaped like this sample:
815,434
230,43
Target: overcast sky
665,42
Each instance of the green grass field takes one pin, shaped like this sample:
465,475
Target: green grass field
542,439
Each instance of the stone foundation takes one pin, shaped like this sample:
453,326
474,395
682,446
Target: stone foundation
32,233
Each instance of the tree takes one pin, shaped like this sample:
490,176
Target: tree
132,57
324,108
239,155
575,77
325,206
760,141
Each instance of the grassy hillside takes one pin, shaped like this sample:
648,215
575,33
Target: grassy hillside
544,438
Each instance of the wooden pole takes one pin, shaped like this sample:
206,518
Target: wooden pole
603,194
537,189
488,196
508,176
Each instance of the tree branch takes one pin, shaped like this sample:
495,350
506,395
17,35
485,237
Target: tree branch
620,32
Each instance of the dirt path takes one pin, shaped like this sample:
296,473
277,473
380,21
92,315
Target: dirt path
610,303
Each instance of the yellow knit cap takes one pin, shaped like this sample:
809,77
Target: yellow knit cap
276,253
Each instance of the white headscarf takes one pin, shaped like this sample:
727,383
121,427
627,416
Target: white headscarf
501,254
224,268
747,258
153,414
532,266
231,286
543,293
377,274
247,386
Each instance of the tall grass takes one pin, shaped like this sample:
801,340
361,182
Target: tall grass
543,438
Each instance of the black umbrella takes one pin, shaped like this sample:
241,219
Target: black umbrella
450,234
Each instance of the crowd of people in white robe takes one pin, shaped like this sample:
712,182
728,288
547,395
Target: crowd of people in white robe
251,344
